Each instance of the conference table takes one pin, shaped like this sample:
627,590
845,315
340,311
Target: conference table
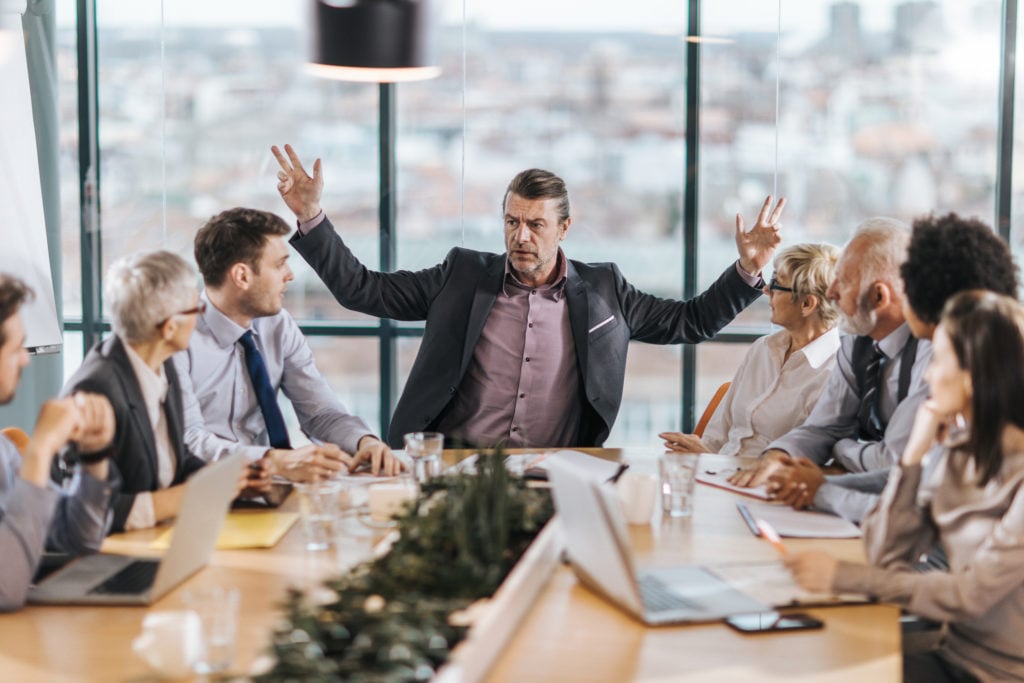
569,634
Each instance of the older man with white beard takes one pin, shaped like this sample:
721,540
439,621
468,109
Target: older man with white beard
863,419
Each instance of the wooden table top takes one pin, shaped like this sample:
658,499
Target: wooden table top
571,634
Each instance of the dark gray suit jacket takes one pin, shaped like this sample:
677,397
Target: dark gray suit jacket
455,298
107,370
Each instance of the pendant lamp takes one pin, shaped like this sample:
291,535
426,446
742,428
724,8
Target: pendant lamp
381,41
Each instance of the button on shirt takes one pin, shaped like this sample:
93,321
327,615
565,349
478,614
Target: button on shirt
770,394
522,384
222,412
154,391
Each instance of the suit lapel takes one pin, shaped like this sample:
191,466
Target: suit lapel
136,403
579,314
484,292
172,413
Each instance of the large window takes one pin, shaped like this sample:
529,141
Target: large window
855,109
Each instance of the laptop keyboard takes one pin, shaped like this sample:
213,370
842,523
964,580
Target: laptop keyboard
658,597
133,579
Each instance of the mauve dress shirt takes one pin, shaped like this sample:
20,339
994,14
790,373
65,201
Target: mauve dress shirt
522,385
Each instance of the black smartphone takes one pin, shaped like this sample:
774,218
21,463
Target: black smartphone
769,622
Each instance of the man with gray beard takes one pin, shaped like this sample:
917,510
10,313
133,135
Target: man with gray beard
863,419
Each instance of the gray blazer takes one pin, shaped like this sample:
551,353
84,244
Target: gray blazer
455,298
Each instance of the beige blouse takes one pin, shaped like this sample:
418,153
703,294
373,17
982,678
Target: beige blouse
981,597
770,394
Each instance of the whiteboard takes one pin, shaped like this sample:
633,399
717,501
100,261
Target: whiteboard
23,248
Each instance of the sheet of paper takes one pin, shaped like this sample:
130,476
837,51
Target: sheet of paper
770,583
720,477
803,523
250,529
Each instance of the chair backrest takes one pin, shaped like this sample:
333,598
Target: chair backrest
17,436
710,410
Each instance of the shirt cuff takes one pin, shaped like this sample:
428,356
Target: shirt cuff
306,226
142,515
754,280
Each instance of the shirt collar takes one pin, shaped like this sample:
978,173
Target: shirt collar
561,265
821,349
894,342
152,384
224,330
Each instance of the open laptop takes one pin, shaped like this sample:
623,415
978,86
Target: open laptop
107,579
597,543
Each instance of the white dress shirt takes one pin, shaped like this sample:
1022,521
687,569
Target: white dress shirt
222,412
770,394
154,390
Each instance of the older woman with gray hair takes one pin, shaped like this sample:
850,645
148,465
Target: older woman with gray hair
153,300
783,373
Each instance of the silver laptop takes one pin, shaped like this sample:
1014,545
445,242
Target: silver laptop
597,543
125,580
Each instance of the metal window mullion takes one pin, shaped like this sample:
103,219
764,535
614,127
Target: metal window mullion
388,252
1007,82
89,173
690,210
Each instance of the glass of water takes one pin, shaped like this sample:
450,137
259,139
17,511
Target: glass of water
678,478
320,512
424,450
217,607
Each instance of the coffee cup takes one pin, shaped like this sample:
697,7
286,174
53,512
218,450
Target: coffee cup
638,493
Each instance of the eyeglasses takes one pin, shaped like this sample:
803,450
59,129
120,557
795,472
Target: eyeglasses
200,307
774,286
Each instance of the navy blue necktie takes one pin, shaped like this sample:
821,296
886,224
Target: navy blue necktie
265,393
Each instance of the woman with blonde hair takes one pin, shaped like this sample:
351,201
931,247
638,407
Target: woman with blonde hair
783,373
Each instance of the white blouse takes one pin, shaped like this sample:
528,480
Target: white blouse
768,397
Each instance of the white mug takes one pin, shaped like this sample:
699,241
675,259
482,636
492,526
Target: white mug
170,642
638,493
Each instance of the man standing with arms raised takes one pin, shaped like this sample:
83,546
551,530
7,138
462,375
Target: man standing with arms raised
527,347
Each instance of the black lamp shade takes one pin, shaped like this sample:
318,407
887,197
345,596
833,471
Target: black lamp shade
373,40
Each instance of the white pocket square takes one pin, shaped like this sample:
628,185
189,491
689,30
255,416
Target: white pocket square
601,324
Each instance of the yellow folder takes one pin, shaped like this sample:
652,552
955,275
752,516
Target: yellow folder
244,529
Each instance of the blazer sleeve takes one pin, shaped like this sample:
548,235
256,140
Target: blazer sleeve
668,321
402,295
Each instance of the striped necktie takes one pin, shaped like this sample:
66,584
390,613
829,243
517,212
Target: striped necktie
869,420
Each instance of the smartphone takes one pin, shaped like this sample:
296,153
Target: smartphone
769,622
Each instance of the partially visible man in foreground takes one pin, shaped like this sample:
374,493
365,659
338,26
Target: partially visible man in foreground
34,513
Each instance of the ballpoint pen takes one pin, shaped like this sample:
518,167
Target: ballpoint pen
748,518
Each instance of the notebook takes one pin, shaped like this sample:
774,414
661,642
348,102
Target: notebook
250,529
597,544
125,580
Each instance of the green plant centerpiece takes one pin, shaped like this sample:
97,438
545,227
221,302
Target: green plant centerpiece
397,618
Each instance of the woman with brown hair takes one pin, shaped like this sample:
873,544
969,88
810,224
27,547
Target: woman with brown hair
960,482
